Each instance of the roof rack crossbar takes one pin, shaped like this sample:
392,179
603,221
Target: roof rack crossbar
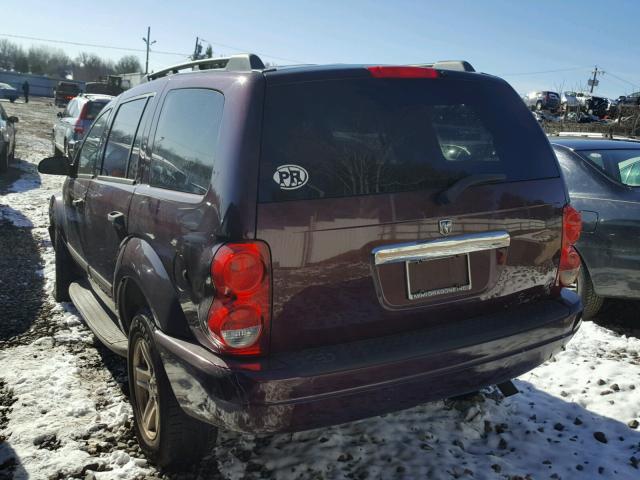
458,65
242,62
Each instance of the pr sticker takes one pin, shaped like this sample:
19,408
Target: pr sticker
290,177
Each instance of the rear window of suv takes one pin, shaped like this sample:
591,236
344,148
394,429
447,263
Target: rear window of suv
369,136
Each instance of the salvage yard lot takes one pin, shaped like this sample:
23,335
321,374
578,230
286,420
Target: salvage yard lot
64,411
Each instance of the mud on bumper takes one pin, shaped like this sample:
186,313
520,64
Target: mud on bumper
347,382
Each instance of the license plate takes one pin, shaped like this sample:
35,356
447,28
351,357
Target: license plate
439,276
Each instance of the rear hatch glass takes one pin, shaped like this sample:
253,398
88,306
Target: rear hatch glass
362,137
93,109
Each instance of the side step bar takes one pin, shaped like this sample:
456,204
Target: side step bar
96,317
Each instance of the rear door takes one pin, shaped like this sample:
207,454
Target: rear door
109,196
76,188
363,241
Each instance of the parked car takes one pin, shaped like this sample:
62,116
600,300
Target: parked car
592,104
632,99
75,120
64,92
281,249
569,102
8,92
543,101
7,139
603,177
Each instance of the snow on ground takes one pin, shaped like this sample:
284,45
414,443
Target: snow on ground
64,411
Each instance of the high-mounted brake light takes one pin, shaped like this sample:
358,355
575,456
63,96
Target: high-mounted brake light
569,259
240,315
403,72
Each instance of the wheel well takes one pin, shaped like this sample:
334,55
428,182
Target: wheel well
130,301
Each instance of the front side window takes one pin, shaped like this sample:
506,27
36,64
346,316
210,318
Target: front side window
185,141
90,151
621,165
123,131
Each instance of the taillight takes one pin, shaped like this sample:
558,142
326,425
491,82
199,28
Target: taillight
78,128
403,72
240,315
569,259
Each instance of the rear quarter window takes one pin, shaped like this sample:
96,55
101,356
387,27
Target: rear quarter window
370,136
186,139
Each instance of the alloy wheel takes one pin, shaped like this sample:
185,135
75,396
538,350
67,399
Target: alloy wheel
146,391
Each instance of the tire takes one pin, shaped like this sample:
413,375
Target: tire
65,269
539,106
591,302
170,438
4,160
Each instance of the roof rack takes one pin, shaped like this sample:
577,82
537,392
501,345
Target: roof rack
458,65
242,62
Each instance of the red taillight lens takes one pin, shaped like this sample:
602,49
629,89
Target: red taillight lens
79,129
240,315
403,72
569,259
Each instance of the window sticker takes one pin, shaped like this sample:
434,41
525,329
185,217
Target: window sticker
290,177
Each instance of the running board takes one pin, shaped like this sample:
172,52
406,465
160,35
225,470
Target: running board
96,317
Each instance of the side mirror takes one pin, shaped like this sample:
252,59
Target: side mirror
58,165
60,114
13,119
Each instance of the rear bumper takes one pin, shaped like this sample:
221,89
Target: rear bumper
342,383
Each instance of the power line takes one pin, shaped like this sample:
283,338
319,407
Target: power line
262,54
543,71
141,50
94,45
622,79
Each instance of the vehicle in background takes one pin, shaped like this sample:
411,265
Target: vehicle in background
569,102
542,101
593,104
7,139
371,238
631,99
108,85
64,92
603,178
8,92
75,120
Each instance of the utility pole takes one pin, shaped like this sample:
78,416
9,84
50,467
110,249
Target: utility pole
593,82
148,41
197,50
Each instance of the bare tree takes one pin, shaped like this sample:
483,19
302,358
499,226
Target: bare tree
128,64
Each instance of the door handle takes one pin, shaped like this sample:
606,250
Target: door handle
77,202
117,220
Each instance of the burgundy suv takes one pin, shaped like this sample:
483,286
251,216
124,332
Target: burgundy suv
287,248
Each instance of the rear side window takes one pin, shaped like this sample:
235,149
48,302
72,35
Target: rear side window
370,136
123,131
186,139
621,165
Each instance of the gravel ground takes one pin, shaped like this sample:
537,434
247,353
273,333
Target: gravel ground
64,411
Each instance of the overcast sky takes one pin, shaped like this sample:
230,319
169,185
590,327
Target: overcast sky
519,40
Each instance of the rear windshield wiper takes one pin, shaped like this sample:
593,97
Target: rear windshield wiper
451,194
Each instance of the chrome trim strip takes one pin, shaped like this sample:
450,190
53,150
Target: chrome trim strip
441,247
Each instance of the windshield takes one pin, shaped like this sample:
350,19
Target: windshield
620,165
361,137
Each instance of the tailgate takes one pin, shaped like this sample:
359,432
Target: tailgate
362,243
